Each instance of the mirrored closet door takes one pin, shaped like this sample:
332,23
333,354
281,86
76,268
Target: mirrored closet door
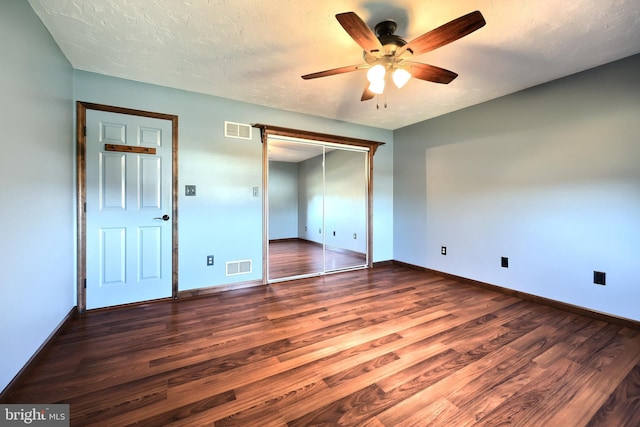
345,213
317,197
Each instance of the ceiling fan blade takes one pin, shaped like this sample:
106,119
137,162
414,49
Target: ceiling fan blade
430,73
335,71
359,31
445,34
367,94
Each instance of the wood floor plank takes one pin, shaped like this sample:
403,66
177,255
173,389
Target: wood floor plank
524,404
345,389
593,397
433,414
390,346
623,405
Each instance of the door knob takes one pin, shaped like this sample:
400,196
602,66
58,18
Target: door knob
164,217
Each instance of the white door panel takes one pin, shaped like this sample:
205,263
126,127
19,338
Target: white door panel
128,243
111,256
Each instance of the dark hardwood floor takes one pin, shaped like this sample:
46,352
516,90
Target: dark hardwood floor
297,257
389,346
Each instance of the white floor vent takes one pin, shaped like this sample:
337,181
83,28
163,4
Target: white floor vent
238,267
237,130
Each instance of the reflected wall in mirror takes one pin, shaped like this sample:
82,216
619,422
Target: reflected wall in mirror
317,208
345,212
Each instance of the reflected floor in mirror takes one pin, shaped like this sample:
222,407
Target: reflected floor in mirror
296,257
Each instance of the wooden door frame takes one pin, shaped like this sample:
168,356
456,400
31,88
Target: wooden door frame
266,131
81,192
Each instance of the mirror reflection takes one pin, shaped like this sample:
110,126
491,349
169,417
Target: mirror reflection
317,208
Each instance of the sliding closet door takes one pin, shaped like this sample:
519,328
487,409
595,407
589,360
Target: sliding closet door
345,212
295,200
317,207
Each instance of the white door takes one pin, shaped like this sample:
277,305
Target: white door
128,208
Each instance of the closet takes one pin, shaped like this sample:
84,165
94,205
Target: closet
317,204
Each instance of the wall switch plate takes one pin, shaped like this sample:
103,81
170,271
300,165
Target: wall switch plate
443,250
189,190
256,192
209,260
600,278
504,262
355,235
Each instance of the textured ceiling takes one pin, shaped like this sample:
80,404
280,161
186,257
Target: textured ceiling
256,50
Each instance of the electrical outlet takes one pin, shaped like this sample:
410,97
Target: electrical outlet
209,260
504,262
355,235
600,278
443,250
189,190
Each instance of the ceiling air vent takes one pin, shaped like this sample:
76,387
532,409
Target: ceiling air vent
237,130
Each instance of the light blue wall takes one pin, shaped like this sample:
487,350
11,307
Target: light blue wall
283,200
224,219
346,200
311,197
549,177
334,199
37,187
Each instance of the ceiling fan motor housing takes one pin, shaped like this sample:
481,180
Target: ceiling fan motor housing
385,31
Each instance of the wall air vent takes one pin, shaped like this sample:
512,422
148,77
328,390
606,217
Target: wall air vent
237,130
238,267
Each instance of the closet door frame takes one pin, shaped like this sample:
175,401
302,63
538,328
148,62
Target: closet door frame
266,131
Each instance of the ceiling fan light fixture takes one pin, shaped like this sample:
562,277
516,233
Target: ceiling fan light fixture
384,52
377,87
400,77
376,74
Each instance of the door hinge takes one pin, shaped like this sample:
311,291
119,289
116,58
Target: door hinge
85,283
85,207
84,130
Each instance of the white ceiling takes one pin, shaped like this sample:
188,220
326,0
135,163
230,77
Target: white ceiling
256,50
285,150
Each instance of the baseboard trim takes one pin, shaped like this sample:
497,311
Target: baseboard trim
285,239
33,360
211,290
128,305
621,321
386,263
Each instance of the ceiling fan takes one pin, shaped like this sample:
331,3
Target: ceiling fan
388,55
